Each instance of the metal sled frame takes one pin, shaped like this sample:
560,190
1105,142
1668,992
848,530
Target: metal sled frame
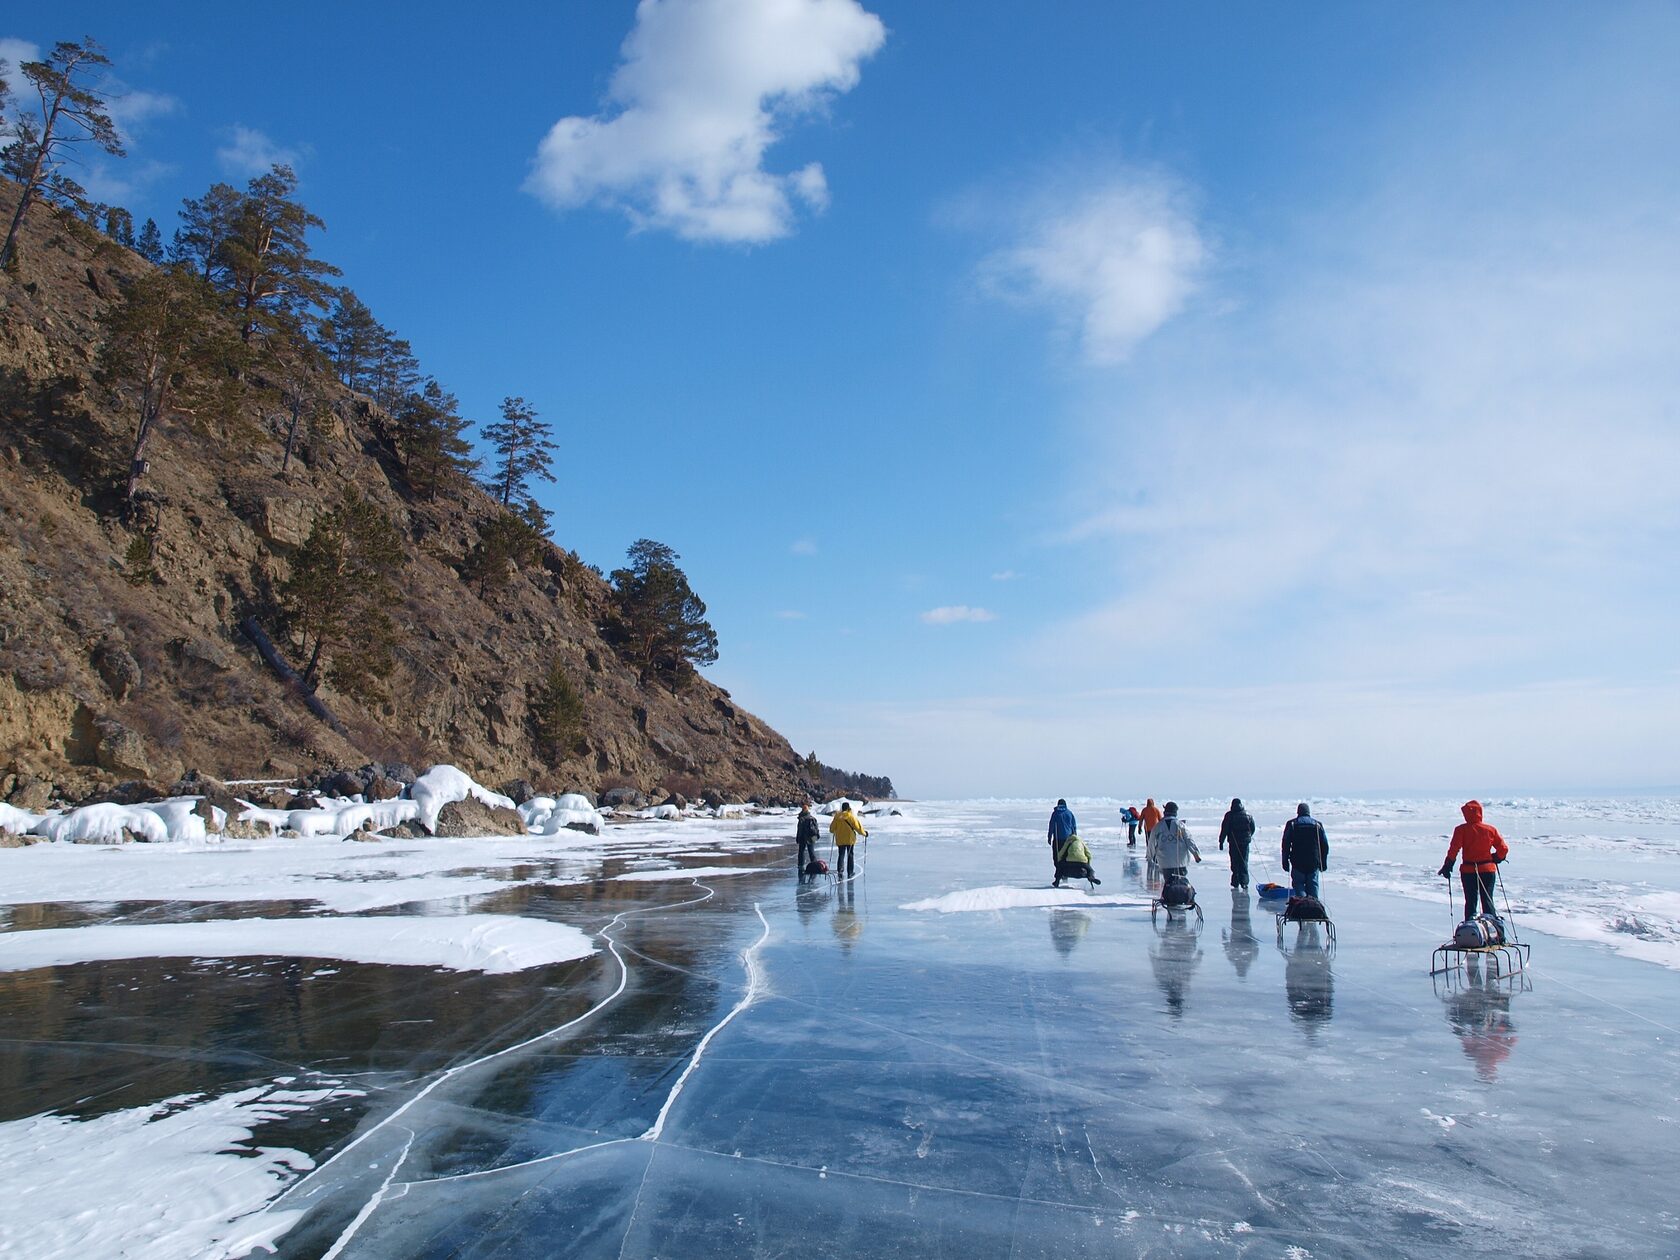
1504,960
1328,926
1156,905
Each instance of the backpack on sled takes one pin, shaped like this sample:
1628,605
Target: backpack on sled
816,866
1479,933
1178,892
1304,910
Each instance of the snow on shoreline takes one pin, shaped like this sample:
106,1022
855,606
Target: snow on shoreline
491,943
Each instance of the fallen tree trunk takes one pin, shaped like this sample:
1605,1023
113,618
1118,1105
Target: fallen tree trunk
271,654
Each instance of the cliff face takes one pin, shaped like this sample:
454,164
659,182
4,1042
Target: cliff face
115,665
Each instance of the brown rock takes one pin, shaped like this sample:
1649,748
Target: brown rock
475,818
120,750
383,789
31,793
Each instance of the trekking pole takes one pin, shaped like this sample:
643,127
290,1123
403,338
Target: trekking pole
1499,877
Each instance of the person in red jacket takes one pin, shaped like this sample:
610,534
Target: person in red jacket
1483,849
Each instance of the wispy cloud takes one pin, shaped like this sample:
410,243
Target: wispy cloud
1111,263
791,614
952,613
248,152
1006,575
702,92
803,547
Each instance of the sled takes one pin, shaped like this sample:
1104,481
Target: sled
1158,902
1503,961
1319,918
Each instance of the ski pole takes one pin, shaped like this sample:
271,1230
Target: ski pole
1499,877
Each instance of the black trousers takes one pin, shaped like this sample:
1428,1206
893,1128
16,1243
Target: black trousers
807,854
844,862
1477,884
1239,865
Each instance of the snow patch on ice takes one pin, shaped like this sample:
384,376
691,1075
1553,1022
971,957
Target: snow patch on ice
1004,897
177,1178
691,872
477,942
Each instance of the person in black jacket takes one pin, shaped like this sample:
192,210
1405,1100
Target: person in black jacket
1238,828
1306,851
807,837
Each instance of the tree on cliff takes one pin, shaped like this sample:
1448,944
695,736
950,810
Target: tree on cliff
524,449
429,431
168,349
342,578
556,714
352,338
149,243
70,113
660,623
265,260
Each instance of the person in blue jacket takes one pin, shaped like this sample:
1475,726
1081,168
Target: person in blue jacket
1062,825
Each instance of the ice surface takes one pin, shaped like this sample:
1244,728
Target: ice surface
757,1066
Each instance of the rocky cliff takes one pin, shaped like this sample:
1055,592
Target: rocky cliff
121,649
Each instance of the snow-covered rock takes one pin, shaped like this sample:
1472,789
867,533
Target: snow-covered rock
442,785
559,820
103,823
179,820
20,822
667,812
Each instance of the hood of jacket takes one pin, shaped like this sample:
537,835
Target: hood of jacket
1472,811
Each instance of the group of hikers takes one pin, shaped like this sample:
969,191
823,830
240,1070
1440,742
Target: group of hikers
846,829
1305,849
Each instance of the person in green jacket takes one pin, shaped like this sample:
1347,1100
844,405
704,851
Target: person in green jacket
1073,861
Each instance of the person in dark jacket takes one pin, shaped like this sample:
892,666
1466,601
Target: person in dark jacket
1306,851
1238,828
1132,818
807,835
1483,849
1062,825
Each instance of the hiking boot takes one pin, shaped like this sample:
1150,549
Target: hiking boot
1095,880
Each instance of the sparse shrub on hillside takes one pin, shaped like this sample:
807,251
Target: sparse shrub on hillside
556,714
138,569
71,113
342,577
659,623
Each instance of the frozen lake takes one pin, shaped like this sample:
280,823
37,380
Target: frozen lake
743,1066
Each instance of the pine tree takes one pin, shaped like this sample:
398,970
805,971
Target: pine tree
149,244
206,224
71,114
660,624
430,439
352,338
266,260
506,543
523,449
394,373
168,347
119,226
342,577
556,714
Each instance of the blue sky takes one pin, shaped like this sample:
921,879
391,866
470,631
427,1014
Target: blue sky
1087,398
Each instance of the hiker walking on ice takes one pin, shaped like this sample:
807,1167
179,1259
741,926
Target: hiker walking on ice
847,831
1148,817
1170,845
1132,818
1483,849
1062,825
806,835
1306,851
1238,828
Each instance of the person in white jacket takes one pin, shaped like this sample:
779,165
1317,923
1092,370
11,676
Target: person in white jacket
1170,845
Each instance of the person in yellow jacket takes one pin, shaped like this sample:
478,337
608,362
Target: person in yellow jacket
846,830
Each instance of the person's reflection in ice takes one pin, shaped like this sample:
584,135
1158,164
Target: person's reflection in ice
1310,983
1480,1013
1067,929
1174,955
809,896
848,924
1134,869
1242,947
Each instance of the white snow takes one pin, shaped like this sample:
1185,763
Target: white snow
476,942
103,824
668,812
444,785
1004,897
692,872
20,822
158,1182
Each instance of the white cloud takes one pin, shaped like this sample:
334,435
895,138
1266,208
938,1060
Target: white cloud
791,614
803,547
14,52
249,152
1112,264
703,90
131,109
952,613
1006,575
